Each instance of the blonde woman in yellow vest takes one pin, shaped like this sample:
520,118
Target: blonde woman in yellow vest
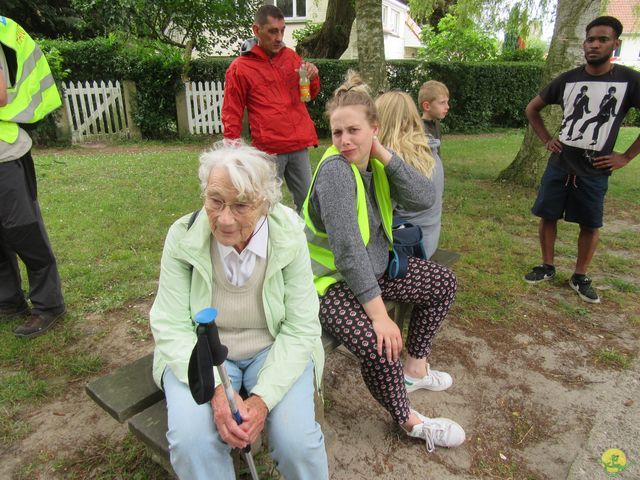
27,94
348,223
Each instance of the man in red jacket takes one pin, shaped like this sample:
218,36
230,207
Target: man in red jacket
265,80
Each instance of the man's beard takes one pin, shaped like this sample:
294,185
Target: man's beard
596,62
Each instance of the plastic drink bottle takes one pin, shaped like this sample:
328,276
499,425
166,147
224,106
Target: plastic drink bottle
305,92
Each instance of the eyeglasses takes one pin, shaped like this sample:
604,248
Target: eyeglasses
238,209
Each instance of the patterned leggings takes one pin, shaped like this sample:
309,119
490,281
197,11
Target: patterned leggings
430,287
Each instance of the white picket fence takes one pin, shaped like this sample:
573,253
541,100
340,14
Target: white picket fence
204,106
95,109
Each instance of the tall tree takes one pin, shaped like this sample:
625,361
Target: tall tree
371,59
565,52
48,18
207,25
333,38
488,14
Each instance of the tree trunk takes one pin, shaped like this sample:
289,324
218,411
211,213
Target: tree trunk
188,52
565,52
333,38
371,60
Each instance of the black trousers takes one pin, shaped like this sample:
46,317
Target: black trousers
23,234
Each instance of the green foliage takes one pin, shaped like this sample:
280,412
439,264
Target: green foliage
421,10
49,18
309,29
457,40
517,30
484,95
54,59
517,26
208,24
207,69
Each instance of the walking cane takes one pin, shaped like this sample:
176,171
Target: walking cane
207,353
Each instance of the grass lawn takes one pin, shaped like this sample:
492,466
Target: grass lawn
107,211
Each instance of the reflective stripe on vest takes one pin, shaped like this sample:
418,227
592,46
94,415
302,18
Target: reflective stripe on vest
34,94
325,273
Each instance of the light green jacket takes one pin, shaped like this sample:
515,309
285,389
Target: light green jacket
289,298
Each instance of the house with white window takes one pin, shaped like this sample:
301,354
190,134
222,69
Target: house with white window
401,33
629,51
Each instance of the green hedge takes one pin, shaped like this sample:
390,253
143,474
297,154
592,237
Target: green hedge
486,95
483,95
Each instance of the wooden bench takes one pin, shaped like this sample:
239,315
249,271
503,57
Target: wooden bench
130,395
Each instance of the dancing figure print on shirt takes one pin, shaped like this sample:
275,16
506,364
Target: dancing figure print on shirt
580,107
602,101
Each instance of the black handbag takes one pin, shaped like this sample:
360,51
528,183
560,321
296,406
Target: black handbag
407,242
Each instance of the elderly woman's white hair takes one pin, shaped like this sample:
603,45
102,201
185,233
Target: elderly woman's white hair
252,172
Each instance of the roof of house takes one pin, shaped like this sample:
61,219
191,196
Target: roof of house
625,11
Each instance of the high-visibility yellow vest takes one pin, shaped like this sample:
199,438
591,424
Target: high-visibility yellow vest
323,265
34,94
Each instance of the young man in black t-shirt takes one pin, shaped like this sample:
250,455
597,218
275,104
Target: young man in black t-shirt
575,182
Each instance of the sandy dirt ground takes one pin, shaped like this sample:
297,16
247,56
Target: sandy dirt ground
528,401
533,398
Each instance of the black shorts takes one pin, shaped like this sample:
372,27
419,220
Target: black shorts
577,199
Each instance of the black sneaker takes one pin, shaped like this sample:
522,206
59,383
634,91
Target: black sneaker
582,285
540,273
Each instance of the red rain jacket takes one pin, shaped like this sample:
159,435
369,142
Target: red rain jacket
269,89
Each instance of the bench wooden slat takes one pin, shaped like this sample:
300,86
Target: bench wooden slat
329,342
127,390
150,427
445,257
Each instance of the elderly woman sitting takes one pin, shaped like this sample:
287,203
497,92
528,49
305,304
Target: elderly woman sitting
246,255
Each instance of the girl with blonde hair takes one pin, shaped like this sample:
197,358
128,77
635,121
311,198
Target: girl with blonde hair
401,129
348,217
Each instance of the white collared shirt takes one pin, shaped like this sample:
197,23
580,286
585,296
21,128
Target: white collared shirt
239,266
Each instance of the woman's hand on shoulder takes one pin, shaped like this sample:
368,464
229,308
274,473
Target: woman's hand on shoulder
380,151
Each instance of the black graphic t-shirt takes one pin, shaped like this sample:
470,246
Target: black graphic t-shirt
594,107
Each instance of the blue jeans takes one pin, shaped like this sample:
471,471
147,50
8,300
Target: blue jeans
296,442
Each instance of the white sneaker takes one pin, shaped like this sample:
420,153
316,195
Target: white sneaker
434,380
437,431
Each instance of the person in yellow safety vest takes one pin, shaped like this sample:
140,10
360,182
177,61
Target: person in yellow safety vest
348,218
27,94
